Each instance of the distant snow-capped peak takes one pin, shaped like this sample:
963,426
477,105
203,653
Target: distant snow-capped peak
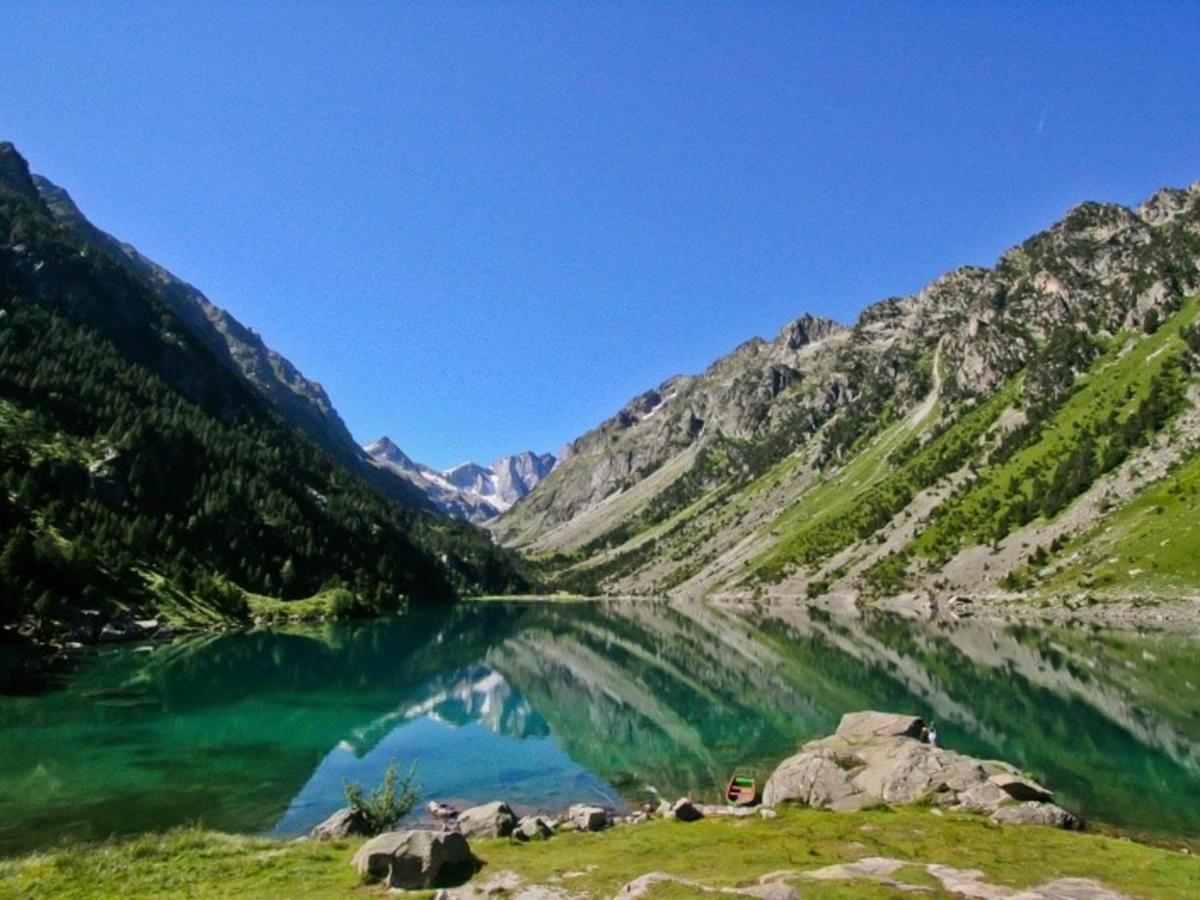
468,490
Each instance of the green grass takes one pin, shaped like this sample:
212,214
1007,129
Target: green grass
317,606
179,607
194,863
826,502
873,488
1146,546
1103,399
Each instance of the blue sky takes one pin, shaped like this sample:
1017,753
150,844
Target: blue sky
484,227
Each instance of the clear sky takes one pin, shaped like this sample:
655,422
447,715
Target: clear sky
484,227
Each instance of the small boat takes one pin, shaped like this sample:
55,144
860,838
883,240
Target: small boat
742,790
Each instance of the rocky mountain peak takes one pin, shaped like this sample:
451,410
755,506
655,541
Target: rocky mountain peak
468,490
1169,203
385,448
468,476
809,329
14,172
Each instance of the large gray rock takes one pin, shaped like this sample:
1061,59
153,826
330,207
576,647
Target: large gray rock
863,727
876,758
533,828
411,860
905,771
983,798
813,780
342,824
494,819
588,818
1034,813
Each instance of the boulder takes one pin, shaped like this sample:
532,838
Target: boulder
494,819
1035,813
411,860
1020,788
684,810
879,758
533,828
905,771
342,824
983,798
811,779
588,818
863,727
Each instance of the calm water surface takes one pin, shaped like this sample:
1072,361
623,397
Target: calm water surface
549,704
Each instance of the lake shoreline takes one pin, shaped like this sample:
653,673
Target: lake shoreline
770,852
551,703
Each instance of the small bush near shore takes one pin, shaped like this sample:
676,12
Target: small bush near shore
388,803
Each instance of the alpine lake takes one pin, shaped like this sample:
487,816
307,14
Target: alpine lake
544,704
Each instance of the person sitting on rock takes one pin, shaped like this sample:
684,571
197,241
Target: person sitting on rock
931,734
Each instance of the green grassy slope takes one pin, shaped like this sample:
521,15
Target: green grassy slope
877,485
716,853
1148,545
1123,399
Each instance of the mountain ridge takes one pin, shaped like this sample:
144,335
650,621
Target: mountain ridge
468,490
142,477
687,489
300,400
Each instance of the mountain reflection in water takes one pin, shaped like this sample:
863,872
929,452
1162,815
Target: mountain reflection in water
546,704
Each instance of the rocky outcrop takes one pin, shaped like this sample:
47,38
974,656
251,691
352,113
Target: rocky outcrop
342,824
1035,813
588,818
877,758
411,860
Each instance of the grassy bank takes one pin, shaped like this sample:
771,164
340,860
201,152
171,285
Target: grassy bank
715,852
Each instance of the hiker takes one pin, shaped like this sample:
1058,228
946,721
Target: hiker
931,734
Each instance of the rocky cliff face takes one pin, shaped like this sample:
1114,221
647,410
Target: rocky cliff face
468,490
775,420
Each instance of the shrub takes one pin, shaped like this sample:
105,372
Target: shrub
346,604
384,807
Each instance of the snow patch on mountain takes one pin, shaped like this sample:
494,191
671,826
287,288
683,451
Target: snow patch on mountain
467,491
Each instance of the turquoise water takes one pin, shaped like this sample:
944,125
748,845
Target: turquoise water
544,705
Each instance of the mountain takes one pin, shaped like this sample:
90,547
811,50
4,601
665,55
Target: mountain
466,491
142,474
1029,428
301,401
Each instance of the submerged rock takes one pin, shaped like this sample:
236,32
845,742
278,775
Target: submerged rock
411,860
